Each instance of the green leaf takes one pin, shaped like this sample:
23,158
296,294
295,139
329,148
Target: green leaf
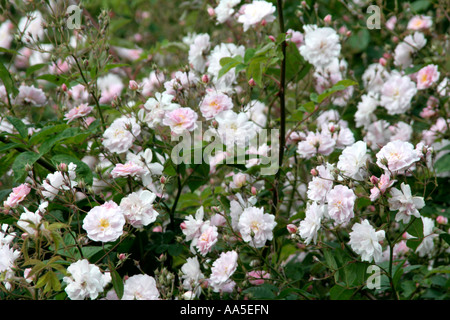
329,258
420,5
42,134
360,40
11,145
21,161
117,283
262,292
442,164
309,106
413,69
249,54
445,237
10,51
66,134
255,70
416,228
35,68
355,274
55,79
227,64
169,168
341,85
19,125
340,293
294,61
7,80
175,249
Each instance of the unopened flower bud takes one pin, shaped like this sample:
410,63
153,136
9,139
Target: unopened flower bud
272,38
251,82
205,78
62,167
263,22
183,226
211,12
133,85
254,191
327,19
122,256
292,228
314,172
441,220
162,180
382,61
64,87
374,179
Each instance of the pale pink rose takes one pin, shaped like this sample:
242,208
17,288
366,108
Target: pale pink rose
180,120
31,95
127,169
341,200
427,112
255,13
180,80
441,125
214,103
78,112
397,156
427,76
218,220
153,81
222,269
257,277
420,22
104,223
315,143
207,239
239,180
17,195
22,59
110,86
78,93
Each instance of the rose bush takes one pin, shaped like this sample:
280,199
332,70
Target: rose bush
224,150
